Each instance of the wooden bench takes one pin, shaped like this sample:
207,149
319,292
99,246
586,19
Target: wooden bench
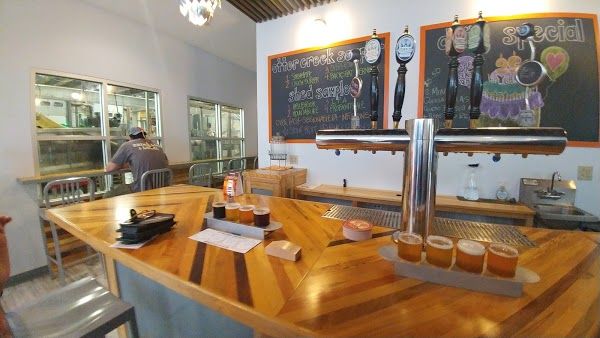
443,203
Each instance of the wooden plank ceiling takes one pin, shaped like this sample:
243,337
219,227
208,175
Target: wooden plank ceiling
264,10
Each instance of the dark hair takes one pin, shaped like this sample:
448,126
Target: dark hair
138,136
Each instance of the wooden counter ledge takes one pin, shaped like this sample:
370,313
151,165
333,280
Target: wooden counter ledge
338,287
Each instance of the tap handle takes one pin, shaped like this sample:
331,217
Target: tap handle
455,42
478,43
373,53
405,50
451,89
399,94
374,96
476,90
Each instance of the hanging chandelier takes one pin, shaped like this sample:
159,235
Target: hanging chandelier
198,12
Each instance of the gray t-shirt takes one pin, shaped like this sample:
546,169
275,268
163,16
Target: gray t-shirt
141,155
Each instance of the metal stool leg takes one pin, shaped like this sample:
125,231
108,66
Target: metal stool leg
58,254
133,328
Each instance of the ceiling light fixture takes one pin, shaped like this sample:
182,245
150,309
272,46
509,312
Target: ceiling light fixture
198,12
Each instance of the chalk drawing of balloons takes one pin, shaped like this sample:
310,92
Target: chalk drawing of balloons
556,61
465,69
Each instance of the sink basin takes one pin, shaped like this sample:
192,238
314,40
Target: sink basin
559,209
564,212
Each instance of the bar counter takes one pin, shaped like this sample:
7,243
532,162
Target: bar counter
338,287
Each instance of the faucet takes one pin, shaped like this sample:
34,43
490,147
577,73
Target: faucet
550,193
556,175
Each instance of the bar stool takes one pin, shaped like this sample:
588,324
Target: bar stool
156,178
200,174
59,193
80,309
236,165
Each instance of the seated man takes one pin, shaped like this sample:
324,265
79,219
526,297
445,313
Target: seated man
140,155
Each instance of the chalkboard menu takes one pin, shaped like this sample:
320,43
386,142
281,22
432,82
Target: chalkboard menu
566,45
309,89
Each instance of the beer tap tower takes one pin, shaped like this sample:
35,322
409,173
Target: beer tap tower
423,139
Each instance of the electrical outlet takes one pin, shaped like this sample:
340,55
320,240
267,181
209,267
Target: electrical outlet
293,159
584,173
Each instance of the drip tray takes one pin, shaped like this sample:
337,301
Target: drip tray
484,232
389,219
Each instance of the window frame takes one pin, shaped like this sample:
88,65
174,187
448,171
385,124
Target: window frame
104,135
218,131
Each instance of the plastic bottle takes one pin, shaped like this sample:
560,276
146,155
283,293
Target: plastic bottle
471,192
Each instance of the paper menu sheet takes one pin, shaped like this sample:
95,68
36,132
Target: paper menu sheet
225,240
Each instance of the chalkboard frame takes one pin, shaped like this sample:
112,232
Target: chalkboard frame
383,92
426,28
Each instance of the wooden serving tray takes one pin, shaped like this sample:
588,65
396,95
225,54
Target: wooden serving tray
454,276
243,230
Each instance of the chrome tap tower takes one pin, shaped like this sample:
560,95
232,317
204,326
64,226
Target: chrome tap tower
422,140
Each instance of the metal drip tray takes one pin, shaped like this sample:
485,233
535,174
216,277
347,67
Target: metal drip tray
484,232
390,219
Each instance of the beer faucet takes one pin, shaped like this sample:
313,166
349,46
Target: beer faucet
478,43
355,89
405,49
455,45
529,74
373,52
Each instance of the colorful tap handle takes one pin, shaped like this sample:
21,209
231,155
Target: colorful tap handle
455,44
373,52
355,89
478,43
405,50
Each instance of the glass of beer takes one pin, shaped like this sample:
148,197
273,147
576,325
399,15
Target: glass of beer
218,209
247,214
502,260
470,255
410,245
232,212
262,217
439,251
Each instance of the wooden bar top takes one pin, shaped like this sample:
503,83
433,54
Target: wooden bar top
442,202
338,287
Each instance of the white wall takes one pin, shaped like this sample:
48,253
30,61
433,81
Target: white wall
71,36
352,18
